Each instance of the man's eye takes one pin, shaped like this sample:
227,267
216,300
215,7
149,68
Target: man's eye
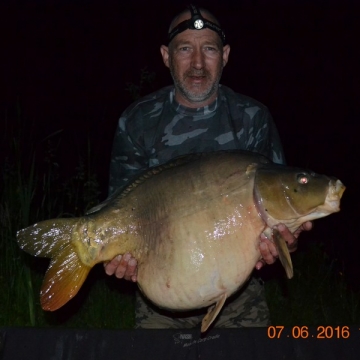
185,48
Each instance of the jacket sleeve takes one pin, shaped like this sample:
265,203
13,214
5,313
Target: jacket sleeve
128,157
269,139
254,127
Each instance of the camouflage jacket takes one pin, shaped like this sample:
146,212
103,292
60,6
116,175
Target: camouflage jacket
156,128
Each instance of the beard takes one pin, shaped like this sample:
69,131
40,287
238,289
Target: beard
196,94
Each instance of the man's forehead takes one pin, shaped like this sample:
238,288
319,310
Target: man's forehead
204,36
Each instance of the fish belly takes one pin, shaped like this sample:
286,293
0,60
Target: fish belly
196,260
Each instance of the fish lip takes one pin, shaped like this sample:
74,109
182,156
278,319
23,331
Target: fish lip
335,192
336,189
339,188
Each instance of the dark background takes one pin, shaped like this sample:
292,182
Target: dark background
66,66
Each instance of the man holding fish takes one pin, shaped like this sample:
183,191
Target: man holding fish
196,114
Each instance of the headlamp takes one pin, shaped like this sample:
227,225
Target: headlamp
196,22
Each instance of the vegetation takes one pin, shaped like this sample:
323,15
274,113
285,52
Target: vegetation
34,189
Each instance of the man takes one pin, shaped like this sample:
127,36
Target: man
195,115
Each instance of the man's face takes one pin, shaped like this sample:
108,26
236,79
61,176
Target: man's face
196,59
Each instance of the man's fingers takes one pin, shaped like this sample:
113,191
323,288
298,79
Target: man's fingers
129,271
268,250
268,246
307,226
122,266
289,238
259,264
132,270
110,266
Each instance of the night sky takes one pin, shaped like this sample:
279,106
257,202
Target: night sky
67,66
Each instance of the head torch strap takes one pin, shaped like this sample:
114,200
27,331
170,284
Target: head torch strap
196,22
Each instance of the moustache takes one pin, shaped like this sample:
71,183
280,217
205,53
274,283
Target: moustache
202,73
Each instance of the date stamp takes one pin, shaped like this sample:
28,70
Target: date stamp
304,332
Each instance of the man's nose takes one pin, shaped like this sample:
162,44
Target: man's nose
197,60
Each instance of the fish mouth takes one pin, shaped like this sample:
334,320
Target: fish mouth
335,192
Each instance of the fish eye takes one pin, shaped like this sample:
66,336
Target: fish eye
302,178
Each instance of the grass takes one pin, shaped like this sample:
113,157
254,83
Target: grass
34,188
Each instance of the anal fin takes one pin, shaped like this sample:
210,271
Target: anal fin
284,254
213,311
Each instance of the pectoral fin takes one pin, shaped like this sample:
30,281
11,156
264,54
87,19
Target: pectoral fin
213,311
284,254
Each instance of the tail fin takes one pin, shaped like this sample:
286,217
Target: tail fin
66,273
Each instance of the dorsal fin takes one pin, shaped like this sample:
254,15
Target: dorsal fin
178,161
136,181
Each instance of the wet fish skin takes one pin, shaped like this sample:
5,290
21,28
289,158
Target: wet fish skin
192,225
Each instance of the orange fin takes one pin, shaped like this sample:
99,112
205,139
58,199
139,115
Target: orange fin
213,311
63,279
66,273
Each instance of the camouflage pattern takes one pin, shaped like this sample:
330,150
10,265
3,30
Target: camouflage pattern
156,129
247,308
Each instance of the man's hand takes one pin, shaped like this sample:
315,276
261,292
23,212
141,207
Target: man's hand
268,249
122,266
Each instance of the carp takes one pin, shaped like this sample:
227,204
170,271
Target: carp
193,225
